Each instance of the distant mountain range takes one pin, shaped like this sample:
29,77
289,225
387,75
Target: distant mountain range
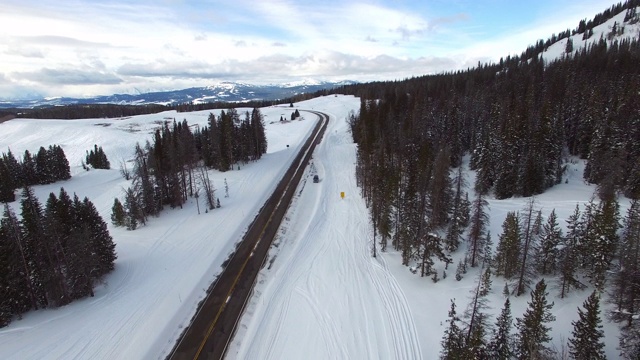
225,91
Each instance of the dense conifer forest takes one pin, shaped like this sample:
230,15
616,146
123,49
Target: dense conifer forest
173,167
519,122
48,256
45,167
51,256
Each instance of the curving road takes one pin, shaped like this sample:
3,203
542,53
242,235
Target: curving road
214,323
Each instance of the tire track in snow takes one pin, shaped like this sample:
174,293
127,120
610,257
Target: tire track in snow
328,295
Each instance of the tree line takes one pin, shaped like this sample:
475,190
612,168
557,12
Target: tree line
518,120
45,167
51,256
530,247
174,166
97,159
473,336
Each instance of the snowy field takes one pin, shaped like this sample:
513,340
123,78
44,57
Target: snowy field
321,296
163,268
325,297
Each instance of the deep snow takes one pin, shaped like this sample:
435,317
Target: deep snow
321,295
163,268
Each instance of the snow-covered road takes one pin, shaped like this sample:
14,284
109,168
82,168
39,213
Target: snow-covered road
325,296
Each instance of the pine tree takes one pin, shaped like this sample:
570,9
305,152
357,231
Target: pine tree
29,177
507,255
133,209
36,248
54,227
101,243
626,281
477,320
453,346
44,167
17,296
479,220
7,184
533,332
603,241
501,345
459,213
14,168
97,158
485,288
60,165
550,239
118,214
586,337
531,233
568,255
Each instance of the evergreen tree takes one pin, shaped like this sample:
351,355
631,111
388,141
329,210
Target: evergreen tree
118,214
29,176
17,295
459,213
626,281
453,346
7,184
629,342
44,167
533,332
133,210
507,255
603,241
14,168
60,165
550,239
485,288
569,46
97,158
568,255
477,320
259,138
36,248
54,227
479,220
100,241
531,233
586,337
501,345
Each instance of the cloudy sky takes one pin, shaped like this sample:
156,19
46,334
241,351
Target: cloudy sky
83,47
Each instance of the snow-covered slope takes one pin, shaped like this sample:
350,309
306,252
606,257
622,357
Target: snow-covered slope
557,50
325,297
321,295
163,268
224,91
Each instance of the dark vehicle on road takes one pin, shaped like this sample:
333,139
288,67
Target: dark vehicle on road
316,179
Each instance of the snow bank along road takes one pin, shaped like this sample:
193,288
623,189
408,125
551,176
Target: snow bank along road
324,296
214,322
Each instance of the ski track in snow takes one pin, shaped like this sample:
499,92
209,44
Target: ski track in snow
163,268
323,296
328,298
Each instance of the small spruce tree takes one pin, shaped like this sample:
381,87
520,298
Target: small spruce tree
586,337
533,332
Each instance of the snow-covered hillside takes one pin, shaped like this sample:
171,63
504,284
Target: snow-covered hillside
557,50
324,295
163,268
321,295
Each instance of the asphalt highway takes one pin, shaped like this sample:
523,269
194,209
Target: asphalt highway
214,323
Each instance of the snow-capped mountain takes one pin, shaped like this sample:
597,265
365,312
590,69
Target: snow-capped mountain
224,91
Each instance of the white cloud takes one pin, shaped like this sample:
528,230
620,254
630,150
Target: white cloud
91,48
68,76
